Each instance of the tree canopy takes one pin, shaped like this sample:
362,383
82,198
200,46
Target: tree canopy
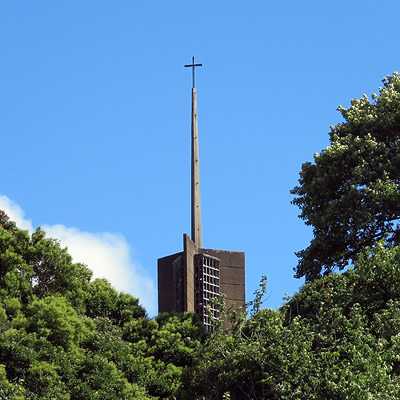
350,194
337,338
65,336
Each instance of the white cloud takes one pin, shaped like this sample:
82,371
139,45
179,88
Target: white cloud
108,255
16,213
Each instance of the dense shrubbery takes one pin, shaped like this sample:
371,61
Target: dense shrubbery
64,336
338,338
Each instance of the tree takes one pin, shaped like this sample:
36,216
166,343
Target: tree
56,320
337,338
350,195
54,271
60,333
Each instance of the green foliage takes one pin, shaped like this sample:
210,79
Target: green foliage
44,381
350,194
8,390
338,338
335,339
54,319
54,271
104,301
6,223
61,335
164,348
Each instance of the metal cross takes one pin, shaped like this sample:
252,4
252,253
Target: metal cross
193,65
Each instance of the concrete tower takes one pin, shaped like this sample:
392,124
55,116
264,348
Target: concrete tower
187,280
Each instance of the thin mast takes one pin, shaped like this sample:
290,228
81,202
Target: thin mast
195,178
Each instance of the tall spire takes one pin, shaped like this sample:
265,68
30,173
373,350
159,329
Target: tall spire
196,207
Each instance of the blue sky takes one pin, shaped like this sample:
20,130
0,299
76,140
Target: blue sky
95,123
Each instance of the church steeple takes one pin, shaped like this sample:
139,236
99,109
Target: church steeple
195,178
188,280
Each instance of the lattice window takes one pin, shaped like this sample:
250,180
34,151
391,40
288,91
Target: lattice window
206,281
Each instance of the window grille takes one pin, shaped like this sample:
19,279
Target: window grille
206,283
